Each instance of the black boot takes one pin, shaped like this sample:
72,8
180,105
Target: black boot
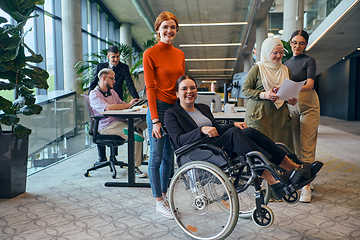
278,190
304,174
102,155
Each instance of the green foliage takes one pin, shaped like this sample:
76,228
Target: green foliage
86,68
138,59
15,67
287,51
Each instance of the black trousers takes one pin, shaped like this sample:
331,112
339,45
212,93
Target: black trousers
238,142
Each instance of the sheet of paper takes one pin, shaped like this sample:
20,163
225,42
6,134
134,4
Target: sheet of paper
289,89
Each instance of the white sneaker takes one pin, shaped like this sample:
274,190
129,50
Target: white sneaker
163,208
305,196
312,186
139,173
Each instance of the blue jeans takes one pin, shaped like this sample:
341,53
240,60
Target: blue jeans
161,155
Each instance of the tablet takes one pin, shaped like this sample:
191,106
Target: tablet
139,103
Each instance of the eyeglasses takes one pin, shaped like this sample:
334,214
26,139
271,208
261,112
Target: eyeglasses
301,44
185,89
276,53
113,79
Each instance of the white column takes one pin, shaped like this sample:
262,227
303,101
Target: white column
261,35
72,40
126,38
293,17
248,61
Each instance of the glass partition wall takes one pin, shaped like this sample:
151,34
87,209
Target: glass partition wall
60,131
317,11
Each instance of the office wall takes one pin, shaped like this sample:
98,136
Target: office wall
339,89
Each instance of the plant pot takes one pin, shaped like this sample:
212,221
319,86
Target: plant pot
13,164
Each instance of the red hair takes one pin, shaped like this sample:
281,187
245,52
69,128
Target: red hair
165,16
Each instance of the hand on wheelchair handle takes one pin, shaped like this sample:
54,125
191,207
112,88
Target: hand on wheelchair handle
156,131
163,133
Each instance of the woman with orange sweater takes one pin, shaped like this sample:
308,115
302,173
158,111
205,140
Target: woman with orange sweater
163,65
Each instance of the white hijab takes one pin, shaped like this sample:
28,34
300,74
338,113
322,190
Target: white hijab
272,74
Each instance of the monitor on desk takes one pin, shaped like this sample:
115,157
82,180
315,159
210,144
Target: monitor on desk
207,97
237,83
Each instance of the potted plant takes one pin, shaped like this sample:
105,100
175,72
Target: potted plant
18,73
86,68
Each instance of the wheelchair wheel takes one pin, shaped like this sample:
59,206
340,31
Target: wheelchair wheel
263,221
293,198
198,194
247,201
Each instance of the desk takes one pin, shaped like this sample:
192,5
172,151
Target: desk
240,109
238,116
131,146
230,100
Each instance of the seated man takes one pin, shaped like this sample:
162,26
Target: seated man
104,98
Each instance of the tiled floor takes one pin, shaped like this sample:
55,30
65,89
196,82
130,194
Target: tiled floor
60,203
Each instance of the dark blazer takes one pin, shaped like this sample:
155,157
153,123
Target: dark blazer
183,129
121,73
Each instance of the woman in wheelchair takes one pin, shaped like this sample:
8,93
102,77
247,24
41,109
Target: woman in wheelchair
187,122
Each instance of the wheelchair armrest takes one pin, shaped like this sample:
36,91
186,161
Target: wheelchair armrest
188,147
215,149
259,156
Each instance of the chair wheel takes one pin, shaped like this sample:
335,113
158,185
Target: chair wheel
114,176
292,198
86,174
263,221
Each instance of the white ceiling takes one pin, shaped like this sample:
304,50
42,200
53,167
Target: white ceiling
211,11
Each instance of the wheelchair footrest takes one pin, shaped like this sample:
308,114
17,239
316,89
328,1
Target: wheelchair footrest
289,190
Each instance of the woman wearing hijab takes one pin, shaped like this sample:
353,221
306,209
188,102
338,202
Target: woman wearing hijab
264,110
306,113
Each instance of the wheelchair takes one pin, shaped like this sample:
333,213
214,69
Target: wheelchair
210,191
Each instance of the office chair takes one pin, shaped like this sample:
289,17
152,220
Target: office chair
112,141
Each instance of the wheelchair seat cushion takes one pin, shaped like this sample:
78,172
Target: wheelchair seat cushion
199,154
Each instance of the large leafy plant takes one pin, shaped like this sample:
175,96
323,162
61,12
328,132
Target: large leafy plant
17,70
287,51
86,68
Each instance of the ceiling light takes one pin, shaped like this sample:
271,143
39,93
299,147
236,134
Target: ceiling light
209,59
331,25
207,78
210,45
211,24
210,76
208,81
206,70
358,48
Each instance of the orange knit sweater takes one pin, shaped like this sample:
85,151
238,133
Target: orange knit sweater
163,65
